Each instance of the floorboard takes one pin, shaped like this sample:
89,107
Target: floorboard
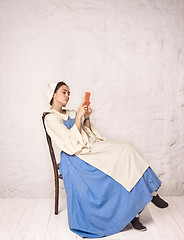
34,219
25,220
166,224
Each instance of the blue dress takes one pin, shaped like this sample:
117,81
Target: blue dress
97,205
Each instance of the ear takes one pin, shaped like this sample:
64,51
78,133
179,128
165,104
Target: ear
54,95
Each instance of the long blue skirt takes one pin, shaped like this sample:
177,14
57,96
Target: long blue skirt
97,205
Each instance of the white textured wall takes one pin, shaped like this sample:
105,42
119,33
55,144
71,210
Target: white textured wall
129,54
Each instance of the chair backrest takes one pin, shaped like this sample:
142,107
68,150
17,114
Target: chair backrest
52,154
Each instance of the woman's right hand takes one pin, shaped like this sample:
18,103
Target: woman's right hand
82,110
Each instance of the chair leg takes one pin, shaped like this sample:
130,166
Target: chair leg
56,195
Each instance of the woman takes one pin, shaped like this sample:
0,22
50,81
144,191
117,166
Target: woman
107,183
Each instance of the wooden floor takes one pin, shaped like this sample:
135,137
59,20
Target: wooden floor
34,219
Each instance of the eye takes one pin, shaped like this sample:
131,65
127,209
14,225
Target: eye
66,92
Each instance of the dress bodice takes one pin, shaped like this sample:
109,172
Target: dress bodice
69,122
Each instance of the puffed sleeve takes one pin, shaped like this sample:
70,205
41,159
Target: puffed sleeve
71,141
93,135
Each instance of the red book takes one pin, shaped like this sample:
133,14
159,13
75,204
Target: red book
86,98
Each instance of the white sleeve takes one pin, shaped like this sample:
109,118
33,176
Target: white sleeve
94,134
71,141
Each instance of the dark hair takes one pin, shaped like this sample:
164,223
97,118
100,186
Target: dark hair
59,84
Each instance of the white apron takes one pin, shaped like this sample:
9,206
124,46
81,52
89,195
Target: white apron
119,160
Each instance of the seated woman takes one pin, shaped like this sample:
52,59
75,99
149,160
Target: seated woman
107,183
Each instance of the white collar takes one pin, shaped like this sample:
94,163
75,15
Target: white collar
70,113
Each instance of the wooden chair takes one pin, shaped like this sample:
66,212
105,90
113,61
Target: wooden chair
57,175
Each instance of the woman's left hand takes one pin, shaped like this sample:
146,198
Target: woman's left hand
88,113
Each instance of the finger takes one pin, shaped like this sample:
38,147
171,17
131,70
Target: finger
83,102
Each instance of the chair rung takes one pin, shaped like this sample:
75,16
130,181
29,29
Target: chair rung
60,176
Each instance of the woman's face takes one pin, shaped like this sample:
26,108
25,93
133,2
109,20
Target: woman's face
62,95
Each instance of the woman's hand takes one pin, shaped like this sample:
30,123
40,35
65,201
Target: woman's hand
82,110
88,113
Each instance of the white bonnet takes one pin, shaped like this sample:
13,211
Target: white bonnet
50,90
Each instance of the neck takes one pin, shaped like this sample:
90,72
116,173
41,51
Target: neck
58,107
